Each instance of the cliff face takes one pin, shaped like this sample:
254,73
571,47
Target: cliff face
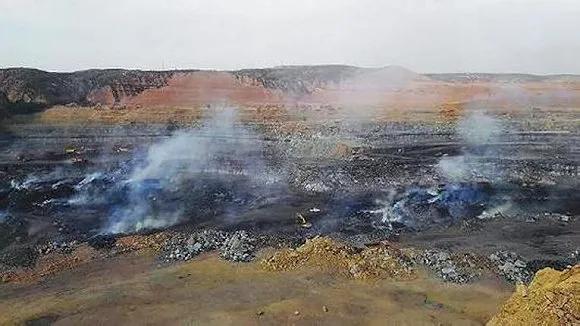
298,79
31,89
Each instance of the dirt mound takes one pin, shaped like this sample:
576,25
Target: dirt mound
328,255
553,298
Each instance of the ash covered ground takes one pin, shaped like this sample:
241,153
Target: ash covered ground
487,193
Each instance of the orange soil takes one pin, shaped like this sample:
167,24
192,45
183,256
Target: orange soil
195,89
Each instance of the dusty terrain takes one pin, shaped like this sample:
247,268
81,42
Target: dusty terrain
209,291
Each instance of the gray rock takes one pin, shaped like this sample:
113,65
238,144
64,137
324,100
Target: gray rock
184,247
445,267
196,247
238,247
511,266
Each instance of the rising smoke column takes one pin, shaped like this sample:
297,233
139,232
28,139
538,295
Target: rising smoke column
479,131
461,196
219,146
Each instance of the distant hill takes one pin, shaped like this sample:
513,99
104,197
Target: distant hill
25,90
31,89
504,78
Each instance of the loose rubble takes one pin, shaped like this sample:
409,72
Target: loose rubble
236,246
57,246
449,267
184,247
20,256
352,259
511,266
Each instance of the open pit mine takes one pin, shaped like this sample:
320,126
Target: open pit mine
291,195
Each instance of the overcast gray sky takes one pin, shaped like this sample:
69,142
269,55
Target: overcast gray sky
535,36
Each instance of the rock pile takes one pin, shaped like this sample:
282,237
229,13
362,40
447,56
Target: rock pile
235,246
57,246
238,247
511,266
450,267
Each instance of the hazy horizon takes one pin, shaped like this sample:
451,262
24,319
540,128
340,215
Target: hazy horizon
297,65
438,36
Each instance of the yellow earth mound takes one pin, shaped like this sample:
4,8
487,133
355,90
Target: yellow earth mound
553,298
328,255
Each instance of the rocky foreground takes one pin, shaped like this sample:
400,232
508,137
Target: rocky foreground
300,284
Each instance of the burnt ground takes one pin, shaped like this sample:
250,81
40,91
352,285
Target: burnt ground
360,182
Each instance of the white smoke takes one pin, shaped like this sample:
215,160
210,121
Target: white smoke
454,168
219,146
479,129
479,132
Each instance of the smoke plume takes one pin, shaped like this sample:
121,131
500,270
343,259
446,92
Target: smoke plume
478,132
156,192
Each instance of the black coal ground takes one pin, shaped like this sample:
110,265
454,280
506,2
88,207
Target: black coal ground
64,184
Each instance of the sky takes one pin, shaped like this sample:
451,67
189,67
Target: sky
528,36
